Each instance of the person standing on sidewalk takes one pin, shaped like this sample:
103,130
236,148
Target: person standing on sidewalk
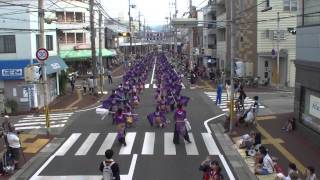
109,168
84,86
90,82
72,82
228,88
6,125
219,93
109,74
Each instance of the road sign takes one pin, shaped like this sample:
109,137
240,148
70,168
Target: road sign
42,54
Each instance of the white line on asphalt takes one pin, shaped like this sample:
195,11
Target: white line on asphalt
191,148
132,166
42,119
86,145
229,172
82,110
51,115
38,123
154,86
154,68
148,143
107,143
169,147
146,86
67,144
129,140
210,144
39,127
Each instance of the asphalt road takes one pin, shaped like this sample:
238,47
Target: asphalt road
153,155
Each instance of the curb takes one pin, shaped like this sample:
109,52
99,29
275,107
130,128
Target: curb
29,168
239,167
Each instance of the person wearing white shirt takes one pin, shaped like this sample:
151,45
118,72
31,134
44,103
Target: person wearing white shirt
14,146
267,164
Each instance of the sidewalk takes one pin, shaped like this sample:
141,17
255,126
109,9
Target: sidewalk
286,146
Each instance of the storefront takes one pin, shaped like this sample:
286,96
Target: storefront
26,95
307,95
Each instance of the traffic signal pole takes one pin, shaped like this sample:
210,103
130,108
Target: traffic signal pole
232,57
43,67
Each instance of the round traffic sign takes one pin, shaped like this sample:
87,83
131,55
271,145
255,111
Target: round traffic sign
42,54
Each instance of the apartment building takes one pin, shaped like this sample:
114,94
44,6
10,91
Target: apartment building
19,41
267,41
221,16
307,84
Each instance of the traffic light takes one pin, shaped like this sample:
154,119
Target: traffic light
124,34
292,31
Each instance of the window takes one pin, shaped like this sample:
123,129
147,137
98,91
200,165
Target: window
79,17
61,37
60,16
69,16
70,38
290,5
7,44
49,42
266,63
38,41
79,37
311,14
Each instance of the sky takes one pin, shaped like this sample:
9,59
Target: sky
154,11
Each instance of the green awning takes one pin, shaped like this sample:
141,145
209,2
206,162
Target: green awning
55,64
83,54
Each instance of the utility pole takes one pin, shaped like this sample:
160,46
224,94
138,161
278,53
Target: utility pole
130,49
93,46
278,50
175,29
100,52
43,66
232,57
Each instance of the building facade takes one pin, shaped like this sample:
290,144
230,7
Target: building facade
307,84
267,42
19,41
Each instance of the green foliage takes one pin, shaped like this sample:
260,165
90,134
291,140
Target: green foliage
12,104
63,80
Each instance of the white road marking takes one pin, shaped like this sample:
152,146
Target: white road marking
191,148
130,141
51,115
38,123
210,144
154,86
169,147
107,143
39,127
146,86
41,119
67,144
148,143
154,68
86,145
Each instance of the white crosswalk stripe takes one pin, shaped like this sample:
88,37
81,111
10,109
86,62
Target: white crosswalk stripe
154,86
30,122
224,101
86,143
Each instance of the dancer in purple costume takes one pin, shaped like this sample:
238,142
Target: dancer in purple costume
157,118
120,120
180,127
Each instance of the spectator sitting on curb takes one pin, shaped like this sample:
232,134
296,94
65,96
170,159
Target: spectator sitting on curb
310,173
293,173
264,165
289,126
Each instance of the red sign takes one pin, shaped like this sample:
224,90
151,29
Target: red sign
42,54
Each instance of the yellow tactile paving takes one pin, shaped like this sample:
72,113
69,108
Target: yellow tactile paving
32,147
260,118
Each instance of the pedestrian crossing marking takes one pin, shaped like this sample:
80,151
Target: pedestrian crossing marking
148,144
126,150
85,147
169,147
248,102
67,144
146,86
210,144
191,148
154,86
107,143
38,122
147,148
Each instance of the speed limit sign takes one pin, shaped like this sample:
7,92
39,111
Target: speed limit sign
42,54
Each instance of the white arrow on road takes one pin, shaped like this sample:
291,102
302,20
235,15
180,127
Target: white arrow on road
223,160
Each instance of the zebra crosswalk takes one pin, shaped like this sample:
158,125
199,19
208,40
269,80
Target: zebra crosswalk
154,86
224,100
82,144
31,122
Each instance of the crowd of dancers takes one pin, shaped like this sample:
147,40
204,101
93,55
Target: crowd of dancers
123,101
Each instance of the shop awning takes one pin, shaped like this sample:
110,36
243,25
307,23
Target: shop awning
114,52
83,54
55,64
